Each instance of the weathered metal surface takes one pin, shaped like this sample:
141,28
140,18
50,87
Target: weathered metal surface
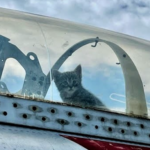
17,138
75,120
21,138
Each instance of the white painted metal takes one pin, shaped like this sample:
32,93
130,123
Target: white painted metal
17,138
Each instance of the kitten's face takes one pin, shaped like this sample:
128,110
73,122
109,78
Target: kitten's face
68,82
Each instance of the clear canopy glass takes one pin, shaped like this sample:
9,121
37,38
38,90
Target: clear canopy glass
113,68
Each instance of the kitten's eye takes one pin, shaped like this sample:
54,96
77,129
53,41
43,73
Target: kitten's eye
75,83
64,84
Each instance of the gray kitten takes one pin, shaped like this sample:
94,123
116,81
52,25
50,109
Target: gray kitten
71,89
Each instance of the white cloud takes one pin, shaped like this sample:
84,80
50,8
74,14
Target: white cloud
129,17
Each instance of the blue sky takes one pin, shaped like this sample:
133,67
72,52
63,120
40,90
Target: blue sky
126,16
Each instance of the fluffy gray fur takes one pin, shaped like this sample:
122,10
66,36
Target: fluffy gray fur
71,89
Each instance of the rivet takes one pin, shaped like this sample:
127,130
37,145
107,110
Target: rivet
69,114
87,117
79,124
5,113
96,127
102,119
135,133
24,116
122,131
142,126
62,121
53,111
110,129
15,105
34,108
115,122
43,119
128,124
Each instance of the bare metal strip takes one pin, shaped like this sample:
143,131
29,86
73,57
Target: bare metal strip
75,120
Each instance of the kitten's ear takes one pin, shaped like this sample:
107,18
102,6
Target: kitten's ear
56,74
78,70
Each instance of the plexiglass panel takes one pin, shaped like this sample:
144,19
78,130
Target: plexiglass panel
65,62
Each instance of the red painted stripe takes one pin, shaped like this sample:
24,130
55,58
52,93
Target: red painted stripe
101,145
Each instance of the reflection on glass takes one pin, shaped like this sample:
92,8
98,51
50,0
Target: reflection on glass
91,67
12,76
